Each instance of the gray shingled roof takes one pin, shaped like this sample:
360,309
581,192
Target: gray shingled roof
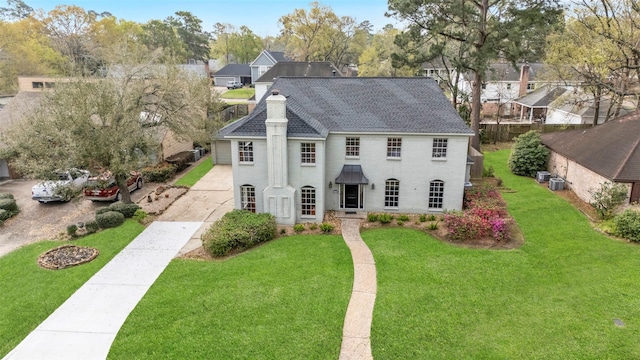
234,70
319,105
611,149
291,68
541,97
278,56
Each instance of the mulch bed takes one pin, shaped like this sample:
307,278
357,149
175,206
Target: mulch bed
66,256
159,200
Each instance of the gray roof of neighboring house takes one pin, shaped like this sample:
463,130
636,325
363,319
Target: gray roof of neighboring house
319,105
291,68
541,97
611,149
16,109
583,105
506,72
277,55
234,70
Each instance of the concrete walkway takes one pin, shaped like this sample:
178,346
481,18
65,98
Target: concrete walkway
85,325
356,333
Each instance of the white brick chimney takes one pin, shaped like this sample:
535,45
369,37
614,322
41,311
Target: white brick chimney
279,196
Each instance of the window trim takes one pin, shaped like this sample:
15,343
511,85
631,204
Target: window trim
394,146
352,147
246,200
310,154
246,154
392,194
436,195
310,207
439,148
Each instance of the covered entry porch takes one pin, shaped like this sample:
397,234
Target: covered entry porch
352,185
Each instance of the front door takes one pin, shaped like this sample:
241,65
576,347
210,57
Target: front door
351,196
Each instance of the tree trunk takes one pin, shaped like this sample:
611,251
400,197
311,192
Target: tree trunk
475,110
121,180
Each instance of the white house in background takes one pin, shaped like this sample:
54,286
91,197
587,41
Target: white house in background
264,62
580,108
293,68
351,144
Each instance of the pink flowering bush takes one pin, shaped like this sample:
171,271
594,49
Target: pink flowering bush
484,215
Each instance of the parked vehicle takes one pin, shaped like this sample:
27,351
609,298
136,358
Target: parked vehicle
104,187
234,85
53,189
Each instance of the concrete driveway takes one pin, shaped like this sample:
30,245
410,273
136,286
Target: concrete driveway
209,199
44,221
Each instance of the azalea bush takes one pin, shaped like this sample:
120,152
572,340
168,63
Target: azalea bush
484,215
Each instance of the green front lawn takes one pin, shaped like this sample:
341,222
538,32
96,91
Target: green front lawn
554,298
242,93
283,300
191,178
29,293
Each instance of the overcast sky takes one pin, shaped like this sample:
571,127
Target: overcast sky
261,16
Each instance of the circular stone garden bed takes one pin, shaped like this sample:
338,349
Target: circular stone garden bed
66,256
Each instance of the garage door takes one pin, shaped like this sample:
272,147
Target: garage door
222,152
4,169
222,81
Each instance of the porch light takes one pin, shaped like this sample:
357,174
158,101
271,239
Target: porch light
373,186
330,184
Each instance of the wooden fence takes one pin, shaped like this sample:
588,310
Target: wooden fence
506,132
234,112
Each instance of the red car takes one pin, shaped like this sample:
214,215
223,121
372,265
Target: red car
104,187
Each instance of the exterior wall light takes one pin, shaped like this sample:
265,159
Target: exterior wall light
373,186
330,184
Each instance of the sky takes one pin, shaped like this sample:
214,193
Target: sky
261,16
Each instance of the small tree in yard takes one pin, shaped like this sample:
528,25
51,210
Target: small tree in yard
110,122
528,155
607,198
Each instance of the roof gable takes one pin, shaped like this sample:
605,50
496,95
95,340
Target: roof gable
611,149
268,58
358,105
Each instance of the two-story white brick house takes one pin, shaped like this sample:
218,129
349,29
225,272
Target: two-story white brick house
352,144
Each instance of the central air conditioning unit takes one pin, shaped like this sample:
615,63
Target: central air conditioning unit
556,184
543,176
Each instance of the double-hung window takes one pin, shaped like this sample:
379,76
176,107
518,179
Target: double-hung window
394,147
391,193
308,201
439,149
248,197
308,153
353,147
245,151
436,194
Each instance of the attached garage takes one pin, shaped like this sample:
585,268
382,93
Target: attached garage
221,152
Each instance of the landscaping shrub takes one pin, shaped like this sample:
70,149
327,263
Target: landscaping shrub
627,225
385,218
4,215
607,198
313,226
400,222
159,173
298,228
9,205
372,217
423,217
433,226
488,172
403,218
139,215
181,160
528,155
326,228
6,196
91,227
71,230
238,230
102,210
110,219
431,217
126,209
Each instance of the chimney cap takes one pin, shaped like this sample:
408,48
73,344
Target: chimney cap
275,92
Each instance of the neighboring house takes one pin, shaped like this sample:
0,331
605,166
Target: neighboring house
265,61
232,72
571,109
534,106
438,69
291,68
607,152
351,144
503,84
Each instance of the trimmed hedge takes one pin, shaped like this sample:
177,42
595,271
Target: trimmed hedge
102,210
238,230
4,215
110,219
158,174
528,155
628,225
6,196
91,227
126,209
9,205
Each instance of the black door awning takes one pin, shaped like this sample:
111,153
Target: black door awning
351,175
